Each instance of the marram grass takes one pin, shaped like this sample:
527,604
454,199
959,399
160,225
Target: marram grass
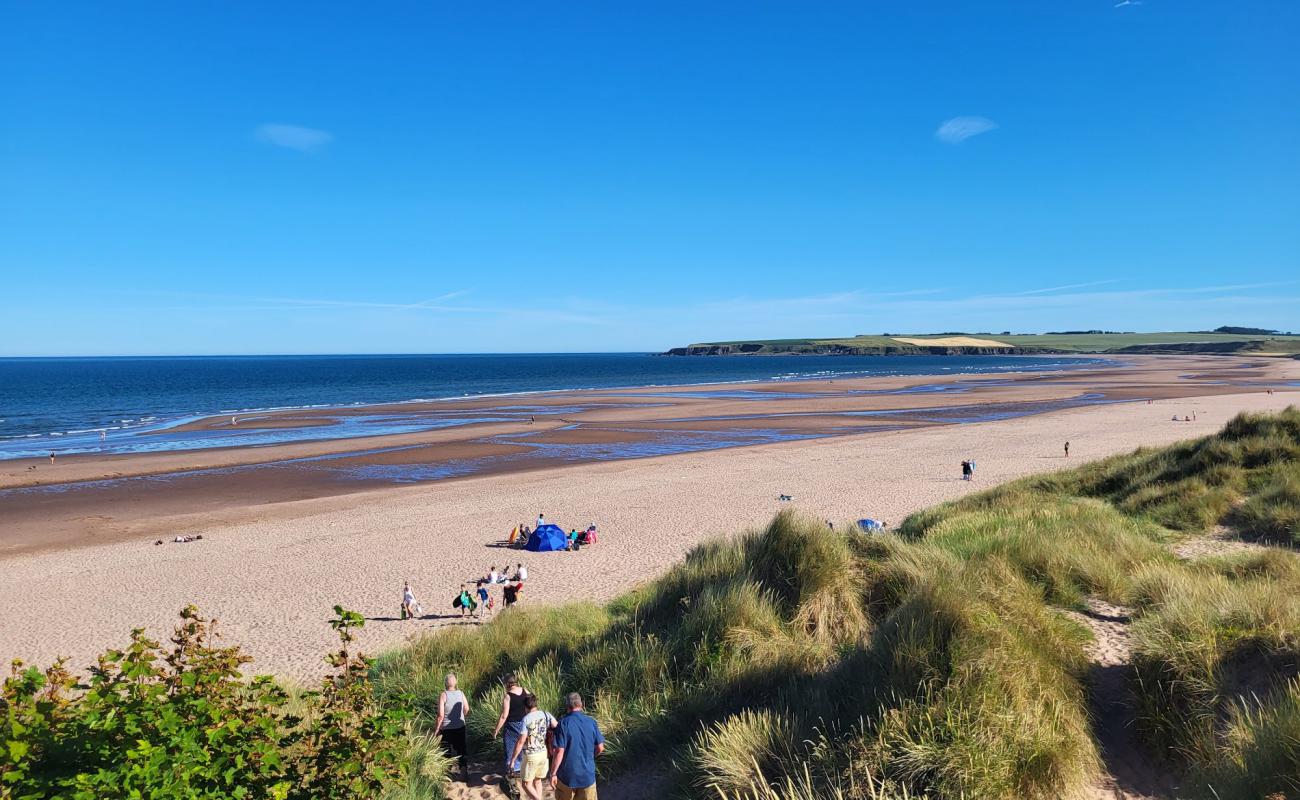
802,662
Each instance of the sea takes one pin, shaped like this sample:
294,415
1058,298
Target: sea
104,405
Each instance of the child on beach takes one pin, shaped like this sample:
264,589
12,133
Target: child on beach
484,601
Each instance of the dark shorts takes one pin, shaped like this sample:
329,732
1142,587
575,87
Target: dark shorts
454,740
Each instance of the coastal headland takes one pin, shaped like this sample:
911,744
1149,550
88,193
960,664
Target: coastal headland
290,529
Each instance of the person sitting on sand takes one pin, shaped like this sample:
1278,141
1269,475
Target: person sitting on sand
493,575
521,573
532,747
541,520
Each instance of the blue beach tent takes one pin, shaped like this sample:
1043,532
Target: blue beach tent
870,525
547,538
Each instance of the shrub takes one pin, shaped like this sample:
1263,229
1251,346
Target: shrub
181,723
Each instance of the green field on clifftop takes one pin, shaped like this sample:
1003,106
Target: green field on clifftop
1161,341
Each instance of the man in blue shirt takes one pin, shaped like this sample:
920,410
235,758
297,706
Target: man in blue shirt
577,742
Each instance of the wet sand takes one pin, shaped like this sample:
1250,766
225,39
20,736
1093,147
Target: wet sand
97,499
271,570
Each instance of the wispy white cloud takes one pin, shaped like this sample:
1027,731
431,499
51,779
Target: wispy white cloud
1123,3
1068,286
294,137
959,129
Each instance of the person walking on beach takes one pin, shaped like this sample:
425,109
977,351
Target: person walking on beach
965,470
453,708
484,601
532,748
409,603
512,722
577,741
465,602
1067,449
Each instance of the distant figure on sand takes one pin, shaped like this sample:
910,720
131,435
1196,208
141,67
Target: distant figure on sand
511,720
532,748
51,459
521,573
577,742
464,602
484,601
1067,449
409,604
453,708
541,520
965,470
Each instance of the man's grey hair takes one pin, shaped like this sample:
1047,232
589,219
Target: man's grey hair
573,700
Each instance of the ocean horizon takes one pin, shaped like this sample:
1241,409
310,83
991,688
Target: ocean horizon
101,404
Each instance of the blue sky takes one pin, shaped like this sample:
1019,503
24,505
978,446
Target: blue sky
466,177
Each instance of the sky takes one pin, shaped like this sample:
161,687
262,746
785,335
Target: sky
429,177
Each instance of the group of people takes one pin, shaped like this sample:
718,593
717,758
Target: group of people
539,748
967,469
520,534
479,600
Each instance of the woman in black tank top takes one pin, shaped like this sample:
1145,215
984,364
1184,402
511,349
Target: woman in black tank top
511,719
517,710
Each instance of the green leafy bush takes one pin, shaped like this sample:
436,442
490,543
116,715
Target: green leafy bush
181,722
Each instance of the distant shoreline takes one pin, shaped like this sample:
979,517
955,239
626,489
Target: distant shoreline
1080,343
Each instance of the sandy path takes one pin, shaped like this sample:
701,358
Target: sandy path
1219,542
1130,774
272,581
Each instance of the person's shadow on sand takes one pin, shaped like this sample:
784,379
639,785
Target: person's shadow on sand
431,617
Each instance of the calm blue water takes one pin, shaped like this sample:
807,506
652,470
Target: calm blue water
62,404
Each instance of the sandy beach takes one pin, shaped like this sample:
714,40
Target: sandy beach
270,574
